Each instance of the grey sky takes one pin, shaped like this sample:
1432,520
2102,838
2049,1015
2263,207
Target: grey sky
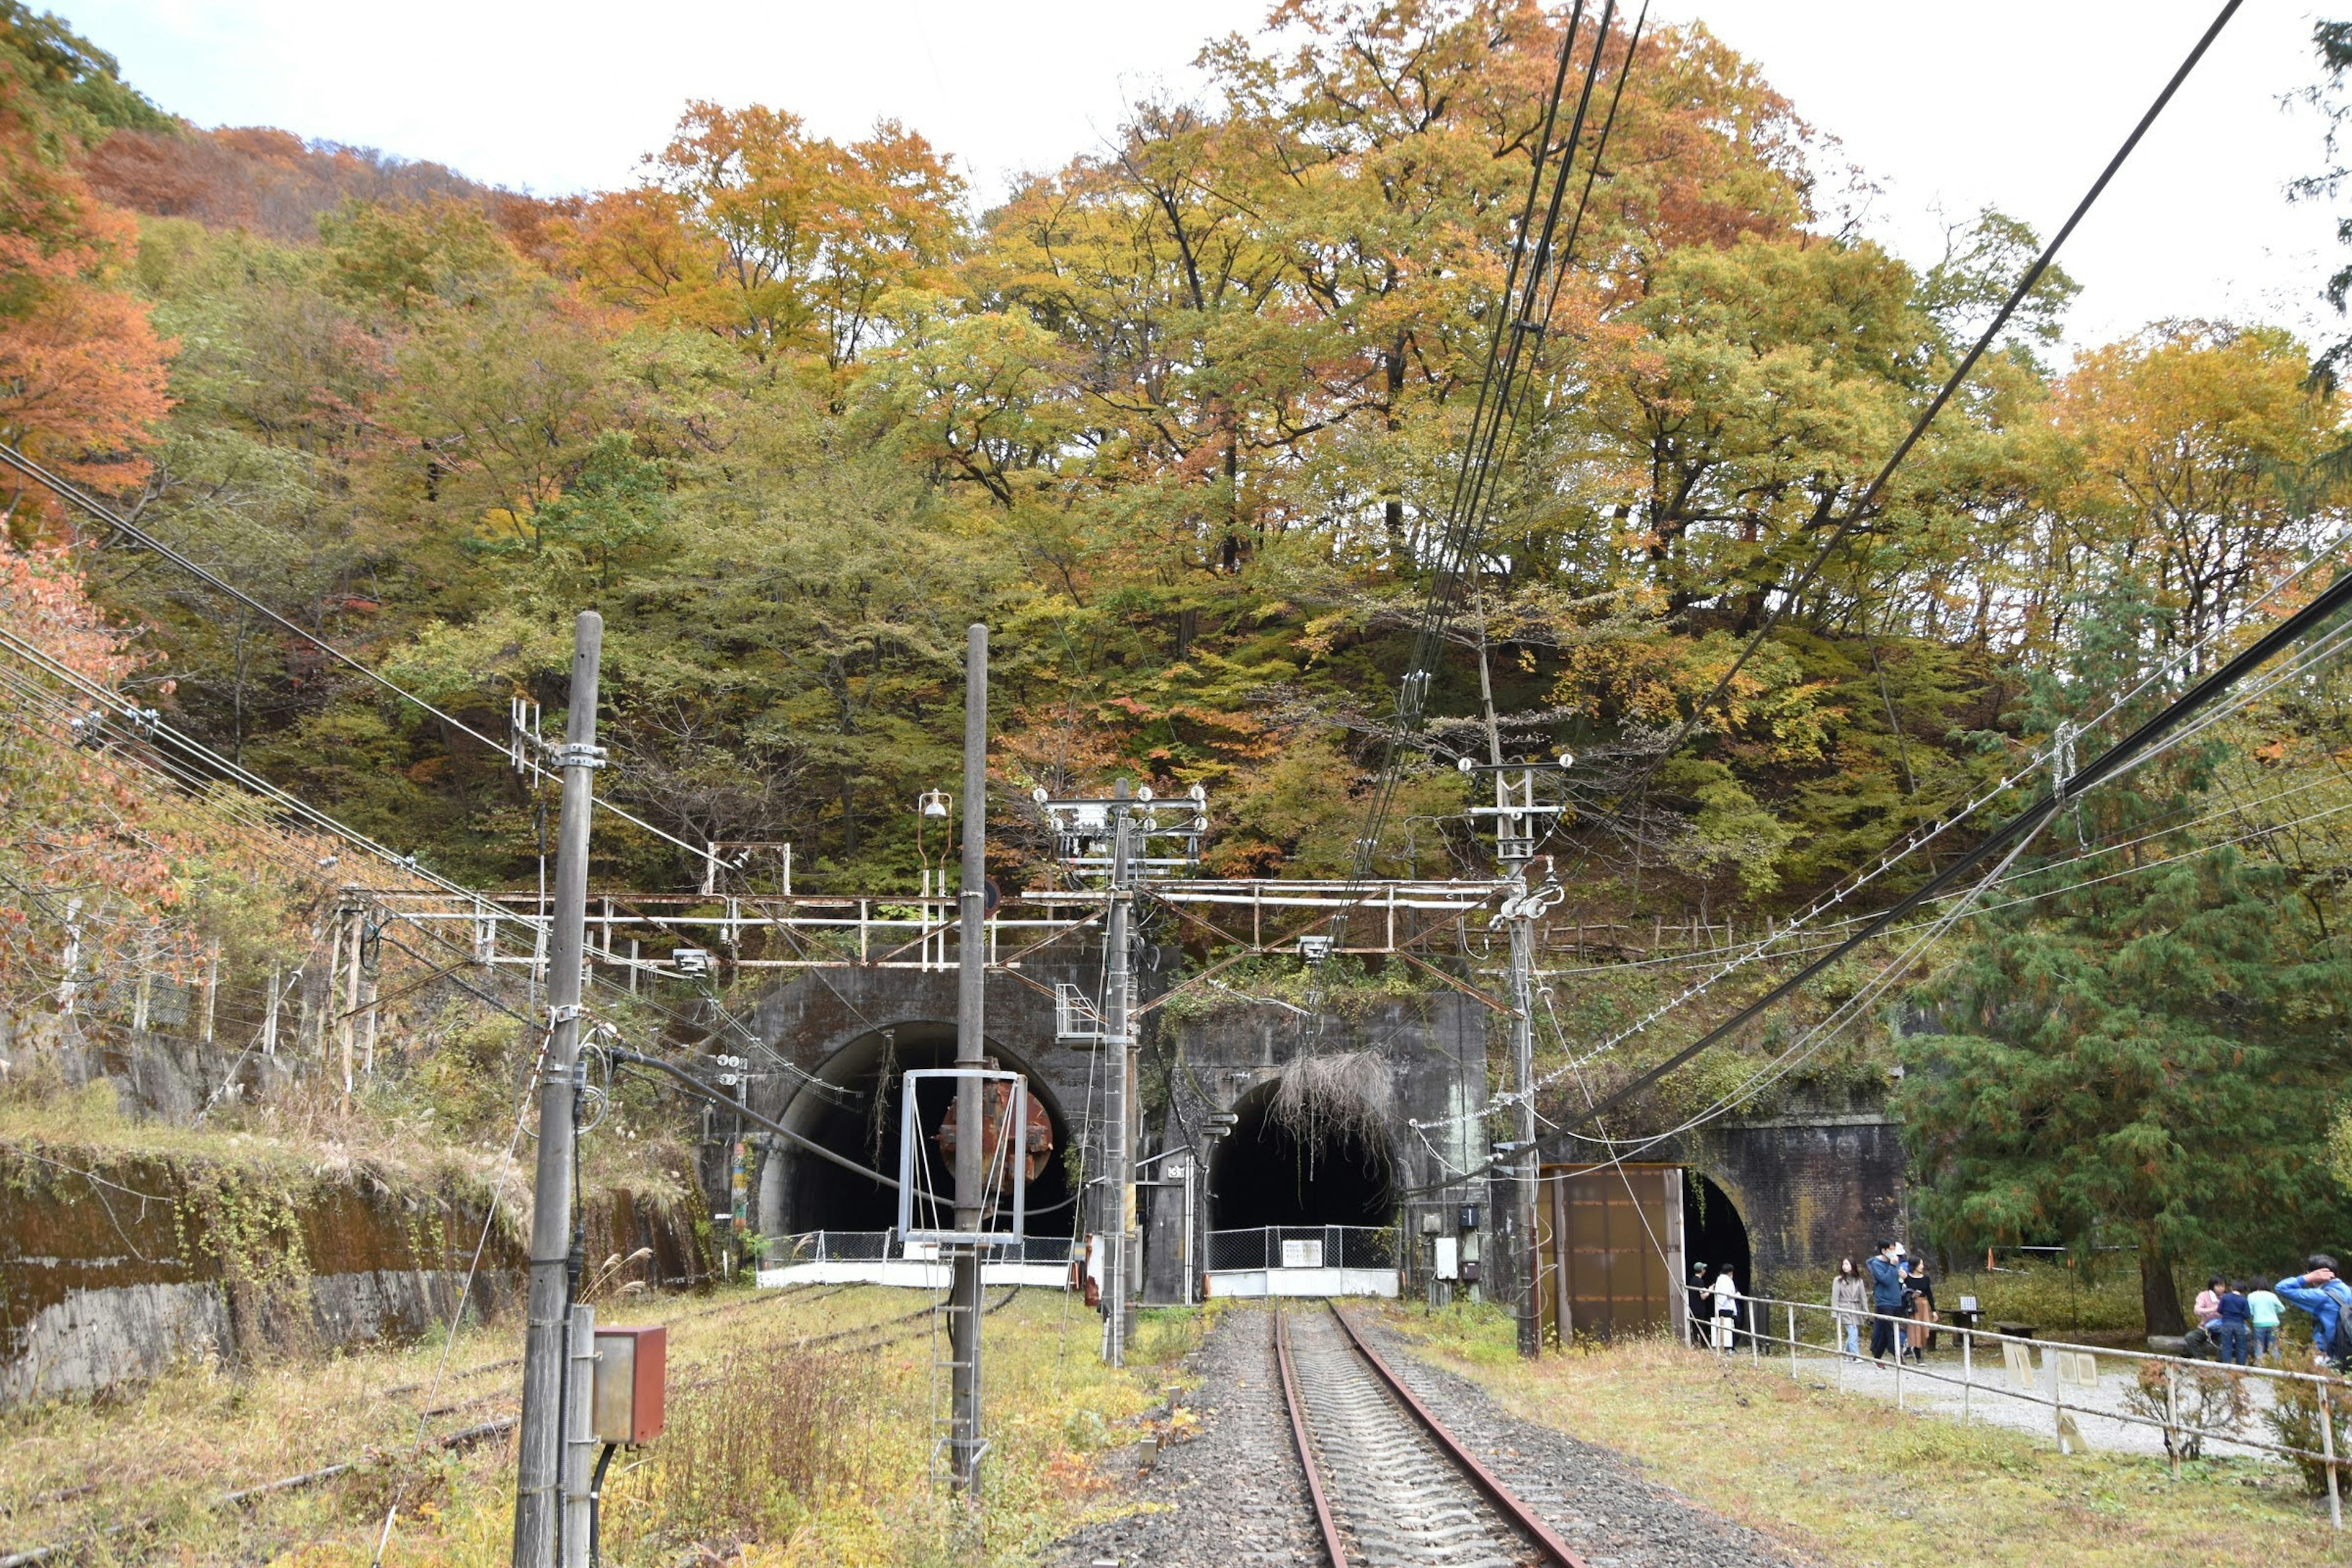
1944,107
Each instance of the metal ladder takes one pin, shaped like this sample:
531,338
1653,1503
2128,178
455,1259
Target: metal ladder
943,1370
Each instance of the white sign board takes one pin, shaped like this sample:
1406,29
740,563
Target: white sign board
1449,1258
1302,1253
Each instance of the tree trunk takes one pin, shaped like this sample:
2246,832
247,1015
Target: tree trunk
2160,1299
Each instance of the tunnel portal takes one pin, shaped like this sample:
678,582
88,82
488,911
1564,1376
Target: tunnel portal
1265,1173
852,1107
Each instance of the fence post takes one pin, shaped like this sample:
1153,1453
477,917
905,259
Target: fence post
1898,1369
2327,1448
2173,1416
1756,1339
1968,1374
2057,1398
1793,1342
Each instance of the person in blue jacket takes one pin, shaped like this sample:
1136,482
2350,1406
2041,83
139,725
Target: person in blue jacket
2316,1291
1886,1299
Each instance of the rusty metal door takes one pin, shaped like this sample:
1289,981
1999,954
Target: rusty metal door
1610,1245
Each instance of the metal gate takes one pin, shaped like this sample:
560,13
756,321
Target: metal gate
1608,1241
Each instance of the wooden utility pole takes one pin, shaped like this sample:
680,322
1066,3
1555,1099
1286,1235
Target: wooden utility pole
965,1439
554,1251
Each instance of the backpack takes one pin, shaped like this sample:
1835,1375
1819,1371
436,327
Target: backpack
2339,1338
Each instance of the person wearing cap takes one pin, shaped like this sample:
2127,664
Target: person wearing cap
1886,1297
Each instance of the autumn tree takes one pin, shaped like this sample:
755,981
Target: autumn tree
783,242
82,371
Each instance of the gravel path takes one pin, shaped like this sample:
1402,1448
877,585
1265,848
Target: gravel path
1233,1496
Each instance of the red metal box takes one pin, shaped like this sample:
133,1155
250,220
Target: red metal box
631,1364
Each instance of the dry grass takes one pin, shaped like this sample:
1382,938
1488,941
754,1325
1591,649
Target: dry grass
794,1453
1852,1482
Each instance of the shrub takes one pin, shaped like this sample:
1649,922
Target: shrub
2200,1403
750,1449
2293,1416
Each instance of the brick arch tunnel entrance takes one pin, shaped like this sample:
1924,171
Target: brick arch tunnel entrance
852,1106
1714,1238
1265,1173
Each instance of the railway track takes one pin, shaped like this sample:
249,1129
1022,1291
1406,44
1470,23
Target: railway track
1391,1487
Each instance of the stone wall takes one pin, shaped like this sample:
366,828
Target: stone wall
111,1268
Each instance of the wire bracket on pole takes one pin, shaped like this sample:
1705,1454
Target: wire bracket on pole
573,754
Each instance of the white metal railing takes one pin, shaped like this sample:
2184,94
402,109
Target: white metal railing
885,1247
2332,1391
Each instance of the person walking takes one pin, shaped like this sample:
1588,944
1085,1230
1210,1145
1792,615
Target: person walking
2264,1310
2235,1328
1849,1304
1886,1299
1920,1297
1726,1293
2316,1291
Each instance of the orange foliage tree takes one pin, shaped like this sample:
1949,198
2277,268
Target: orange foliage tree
783,242
81,370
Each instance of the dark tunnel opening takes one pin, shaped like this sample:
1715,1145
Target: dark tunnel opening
1264,1173
1714,1238
854,1111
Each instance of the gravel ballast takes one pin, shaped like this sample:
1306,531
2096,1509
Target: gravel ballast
1234,1495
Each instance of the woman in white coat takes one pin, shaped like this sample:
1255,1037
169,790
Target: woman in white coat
1725,1293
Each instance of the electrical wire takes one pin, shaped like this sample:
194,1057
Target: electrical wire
66,490
1516,319
1862,504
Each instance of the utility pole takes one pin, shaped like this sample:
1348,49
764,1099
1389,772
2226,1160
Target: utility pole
1117,1155
1513,842
540,1503
1523,1077
972,978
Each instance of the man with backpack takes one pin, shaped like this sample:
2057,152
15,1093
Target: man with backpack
2317,1292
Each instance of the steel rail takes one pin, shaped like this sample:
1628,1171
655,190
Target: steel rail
1297,1407
1518,1513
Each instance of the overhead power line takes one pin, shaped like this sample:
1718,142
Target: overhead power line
1862,504
1522,316
73,494
2111,764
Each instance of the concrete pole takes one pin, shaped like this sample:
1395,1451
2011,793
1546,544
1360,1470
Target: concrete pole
1523,1074
349,1033
1118,1162
212,988
971,977
554,1265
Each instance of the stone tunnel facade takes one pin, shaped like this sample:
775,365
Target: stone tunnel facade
1810,1184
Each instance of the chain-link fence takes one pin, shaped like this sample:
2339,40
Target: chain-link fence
1303,1246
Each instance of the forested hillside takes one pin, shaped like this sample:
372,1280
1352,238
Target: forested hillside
1178,420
